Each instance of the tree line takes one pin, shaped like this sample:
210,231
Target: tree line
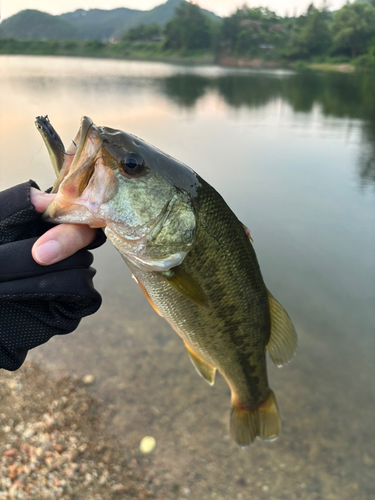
259,32
317,35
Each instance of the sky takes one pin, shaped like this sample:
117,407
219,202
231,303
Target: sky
221,7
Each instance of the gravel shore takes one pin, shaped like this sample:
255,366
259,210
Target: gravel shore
53,443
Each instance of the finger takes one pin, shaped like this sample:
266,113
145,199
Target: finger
40,200
61,242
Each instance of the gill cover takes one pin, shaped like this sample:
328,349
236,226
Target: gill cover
142,197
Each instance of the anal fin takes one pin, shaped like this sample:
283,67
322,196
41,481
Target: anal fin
204,369
283,339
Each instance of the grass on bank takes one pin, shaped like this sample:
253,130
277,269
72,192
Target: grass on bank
96,48
155,50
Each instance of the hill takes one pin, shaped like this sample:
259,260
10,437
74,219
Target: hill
33,24
91,24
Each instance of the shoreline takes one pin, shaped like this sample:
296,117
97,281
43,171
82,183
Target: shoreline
223,62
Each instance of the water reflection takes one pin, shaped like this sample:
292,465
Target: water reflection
338,95
286,151
185,89
366,161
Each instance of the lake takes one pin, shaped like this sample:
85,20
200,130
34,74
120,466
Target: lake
293,154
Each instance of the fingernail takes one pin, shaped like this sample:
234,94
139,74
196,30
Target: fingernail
49,252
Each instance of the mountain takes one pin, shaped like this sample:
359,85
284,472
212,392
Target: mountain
87,24
33,24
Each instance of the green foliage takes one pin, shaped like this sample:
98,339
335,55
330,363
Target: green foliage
354,29
318,36
371,2
251,31
310,35
366,62
189,29
143,32
94,47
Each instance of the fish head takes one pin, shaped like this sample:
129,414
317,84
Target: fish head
142,198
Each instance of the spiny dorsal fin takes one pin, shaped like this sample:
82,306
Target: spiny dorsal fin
185,285
247,231
283,339
204,369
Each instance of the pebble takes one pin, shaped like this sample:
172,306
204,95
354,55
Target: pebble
118,487
28,433
88,379
11,452
147,444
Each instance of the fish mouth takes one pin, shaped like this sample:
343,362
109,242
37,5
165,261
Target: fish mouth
84,182
74,152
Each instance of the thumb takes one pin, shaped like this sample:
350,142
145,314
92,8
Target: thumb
40,200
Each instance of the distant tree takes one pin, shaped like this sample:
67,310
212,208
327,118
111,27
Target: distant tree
143,32
354,29
312,34
317,35
250,30
189,29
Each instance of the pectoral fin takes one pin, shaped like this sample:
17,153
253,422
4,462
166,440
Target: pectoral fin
204,369
185,285
283,339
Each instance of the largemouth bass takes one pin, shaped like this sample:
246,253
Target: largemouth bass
191,256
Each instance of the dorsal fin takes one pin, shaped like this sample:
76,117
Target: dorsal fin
283,339
204,369
247,231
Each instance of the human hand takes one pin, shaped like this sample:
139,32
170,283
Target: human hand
61,241
38,302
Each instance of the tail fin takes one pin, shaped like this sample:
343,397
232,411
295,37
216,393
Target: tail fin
264,421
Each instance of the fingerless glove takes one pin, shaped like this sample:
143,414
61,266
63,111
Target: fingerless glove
37,302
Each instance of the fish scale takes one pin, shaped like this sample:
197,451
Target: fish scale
238,314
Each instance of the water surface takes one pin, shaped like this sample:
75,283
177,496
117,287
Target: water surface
294,157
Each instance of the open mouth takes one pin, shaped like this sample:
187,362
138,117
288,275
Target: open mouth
77,152
74,201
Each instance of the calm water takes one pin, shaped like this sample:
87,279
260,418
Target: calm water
294,157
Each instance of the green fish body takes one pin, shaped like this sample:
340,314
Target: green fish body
192,258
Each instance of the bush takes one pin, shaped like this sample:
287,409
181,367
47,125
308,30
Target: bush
300,65
365,62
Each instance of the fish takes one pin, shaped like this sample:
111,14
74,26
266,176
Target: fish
192,258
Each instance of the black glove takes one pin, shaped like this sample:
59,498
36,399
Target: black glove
37,302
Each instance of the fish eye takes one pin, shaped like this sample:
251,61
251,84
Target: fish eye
132,163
